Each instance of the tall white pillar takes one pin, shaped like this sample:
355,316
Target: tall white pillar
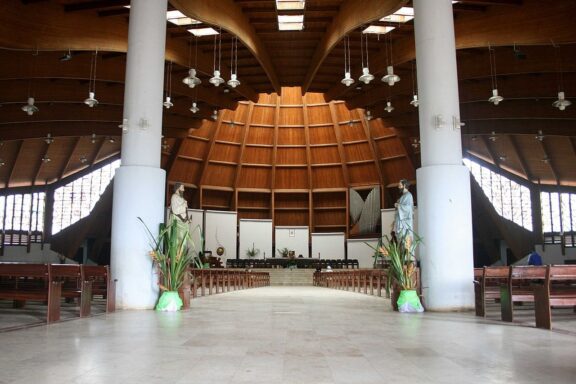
444,204
139,183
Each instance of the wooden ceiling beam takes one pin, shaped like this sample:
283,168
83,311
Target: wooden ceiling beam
69,158
229,16
352,15
548,160
13,166
44,154
523,164
493,156
95,5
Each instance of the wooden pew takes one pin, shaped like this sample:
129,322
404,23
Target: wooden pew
22,282
74,285
487,282
102,284
518,288
558,289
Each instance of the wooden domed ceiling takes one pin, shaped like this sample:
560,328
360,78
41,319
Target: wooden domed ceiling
268,142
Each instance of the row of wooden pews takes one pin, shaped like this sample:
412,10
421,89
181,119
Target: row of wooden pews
50,283
544,286
202,282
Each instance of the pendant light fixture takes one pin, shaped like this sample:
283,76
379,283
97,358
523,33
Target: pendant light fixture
390,78
30,108
91,100
192,80
496,98
366,76
216,80
347,80
368,115
415,103
389,108
168,102
214,114
234,82
194,108
561,103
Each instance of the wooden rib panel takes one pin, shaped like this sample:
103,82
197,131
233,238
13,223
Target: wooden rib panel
315,98
194,148
358,152
318,114
363,174
325,155
226,152
8,154
322,135
231,132
291,156
397,169
379,129
254,199
343,113
260,135
291,178
330,199
328,177
390,147
291,200
213,199
25,169
255,215
241,113
291,136
291,95
330,217
263,115
266,98
290,218
257,155
291,116
255,177
186,171
562,156
352,132
220,175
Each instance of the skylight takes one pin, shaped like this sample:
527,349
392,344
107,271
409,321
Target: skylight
178,18
208,31
290,26
378,29
403,15
290,18
290,5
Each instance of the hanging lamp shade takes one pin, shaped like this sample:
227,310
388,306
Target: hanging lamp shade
415,103
496,98
233,82
91,100
368,115
215,114
389,108
347,80
168,103
561,103
194,108
366,76
390,78
30,108
216,80
191,80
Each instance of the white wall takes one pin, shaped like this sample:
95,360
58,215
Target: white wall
196,227
13,253
328,245
220,231
293,238
357,249
257,234
552,254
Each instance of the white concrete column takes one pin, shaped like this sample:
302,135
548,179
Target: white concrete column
139,183
444,203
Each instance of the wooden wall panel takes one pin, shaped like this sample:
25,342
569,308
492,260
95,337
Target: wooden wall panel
297,200
343,113
330,218
291,95
319,114
205,129
241,113
327,177
291,116
266,98
397,169
231,132
390,147
25,169
291,136
291,218
325,155
256,215
220,175
255,177
363,174
263,115
329,199
194,148
378,129
225,152
358,152
186,171
260,135
254,199
352,132
213,199
322,135
291,178
291,156
315,98
257,155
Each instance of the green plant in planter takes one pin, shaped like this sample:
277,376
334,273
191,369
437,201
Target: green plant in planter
172,255
399,253
252,252
283,252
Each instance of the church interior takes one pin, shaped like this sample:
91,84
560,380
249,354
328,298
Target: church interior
289,124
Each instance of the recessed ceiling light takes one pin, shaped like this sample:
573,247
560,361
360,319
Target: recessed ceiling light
284,5
378,29
402,15
290,18
208,31
178,18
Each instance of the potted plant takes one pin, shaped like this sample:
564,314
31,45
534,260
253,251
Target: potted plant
283,252
399,253
172,255
252,252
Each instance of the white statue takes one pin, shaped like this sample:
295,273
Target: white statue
403,217
179,205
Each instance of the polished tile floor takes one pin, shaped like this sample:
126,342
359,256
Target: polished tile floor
289,335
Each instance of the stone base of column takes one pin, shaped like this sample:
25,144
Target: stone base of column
445,225
138,192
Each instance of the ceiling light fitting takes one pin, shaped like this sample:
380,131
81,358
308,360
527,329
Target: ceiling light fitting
234,82
216,80
91,100
366,76
561,103
540,136
389,108
493,137
347,80
214,114
194,108
415,103
168,102
367,115
48,139
30,108
496,98
390,78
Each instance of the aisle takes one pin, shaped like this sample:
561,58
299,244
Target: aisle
285,335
